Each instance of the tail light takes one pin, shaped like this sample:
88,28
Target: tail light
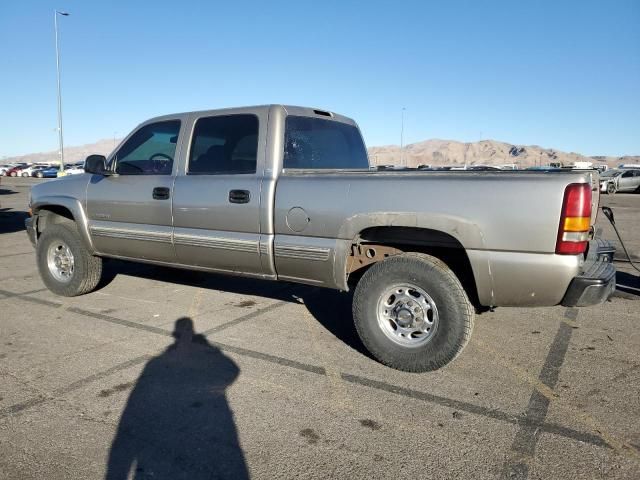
575,220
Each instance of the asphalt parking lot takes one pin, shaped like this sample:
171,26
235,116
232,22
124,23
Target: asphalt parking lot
178,374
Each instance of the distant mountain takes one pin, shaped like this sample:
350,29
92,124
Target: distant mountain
484,152
429,152
71,154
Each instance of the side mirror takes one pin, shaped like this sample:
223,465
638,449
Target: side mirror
96,164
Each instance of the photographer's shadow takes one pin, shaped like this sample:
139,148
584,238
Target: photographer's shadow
177,423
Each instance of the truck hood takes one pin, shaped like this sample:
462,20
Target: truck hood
74,186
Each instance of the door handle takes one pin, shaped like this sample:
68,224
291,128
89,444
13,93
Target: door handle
161,193
239,196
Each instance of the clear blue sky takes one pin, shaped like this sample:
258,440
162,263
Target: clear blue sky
562,74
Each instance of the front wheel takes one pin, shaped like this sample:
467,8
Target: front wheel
412,313
611,188
66,266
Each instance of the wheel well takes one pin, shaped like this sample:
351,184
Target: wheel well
377,243
52,214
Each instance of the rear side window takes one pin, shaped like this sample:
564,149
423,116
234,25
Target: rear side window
150,150
224,145
317,143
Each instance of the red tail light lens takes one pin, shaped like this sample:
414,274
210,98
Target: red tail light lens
575,220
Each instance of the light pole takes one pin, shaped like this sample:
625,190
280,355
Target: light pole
402,138
60,142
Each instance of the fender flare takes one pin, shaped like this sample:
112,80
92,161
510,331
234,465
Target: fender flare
75,207
466,232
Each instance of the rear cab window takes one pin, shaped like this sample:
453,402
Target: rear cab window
316,143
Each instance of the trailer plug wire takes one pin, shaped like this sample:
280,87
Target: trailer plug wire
609,214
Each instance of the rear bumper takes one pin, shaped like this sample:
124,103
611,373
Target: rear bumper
29,224
597,281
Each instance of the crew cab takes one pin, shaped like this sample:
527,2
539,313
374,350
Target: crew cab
287,193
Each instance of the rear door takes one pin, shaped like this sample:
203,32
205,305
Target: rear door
216,201
636,179
130,213
627,181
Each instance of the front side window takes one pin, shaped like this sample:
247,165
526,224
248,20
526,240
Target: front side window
150,150
322,144
225,144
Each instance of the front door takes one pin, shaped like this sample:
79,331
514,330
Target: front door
217,201
130,212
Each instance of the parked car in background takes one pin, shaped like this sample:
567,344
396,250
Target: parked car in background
620,180
28,172
74,168
17,170
6,169
484,168
49,172
38,169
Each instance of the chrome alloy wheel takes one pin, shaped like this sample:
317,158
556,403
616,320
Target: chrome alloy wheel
60,261
407,315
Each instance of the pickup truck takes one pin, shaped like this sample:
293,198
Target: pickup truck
287,193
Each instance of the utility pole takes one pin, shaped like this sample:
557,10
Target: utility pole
402,138
60,141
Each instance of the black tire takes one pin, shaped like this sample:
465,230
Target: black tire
611,188
87,269
455,312
39,175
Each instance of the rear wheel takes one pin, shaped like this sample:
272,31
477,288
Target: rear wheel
39,174
66,266
412,313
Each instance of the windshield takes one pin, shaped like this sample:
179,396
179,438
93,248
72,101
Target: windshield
610,173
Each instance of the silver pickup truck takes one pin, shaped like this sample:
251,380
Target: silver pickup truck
287,193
